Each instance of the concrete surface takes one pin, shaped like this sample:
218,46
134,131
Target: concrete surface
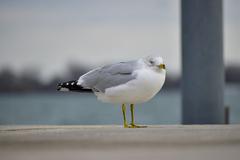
181,142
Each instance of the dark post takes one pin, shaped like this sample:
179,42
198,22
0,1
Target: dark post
226,115
202,62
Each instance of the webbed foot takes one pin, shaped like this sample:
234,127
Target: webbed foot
136,126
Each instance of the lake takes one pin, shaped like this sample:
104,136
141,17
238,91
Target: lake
63,108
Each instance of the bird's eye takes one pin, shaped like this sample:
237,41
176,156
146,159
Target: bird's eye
151,61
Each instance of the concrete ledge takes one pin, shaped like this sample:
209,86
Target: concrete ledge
81,141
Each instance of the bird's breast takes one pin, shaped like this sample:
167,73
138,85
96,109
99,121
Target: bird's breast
143,88
150,80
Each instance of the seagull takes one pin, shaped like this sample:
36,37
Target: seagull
130,82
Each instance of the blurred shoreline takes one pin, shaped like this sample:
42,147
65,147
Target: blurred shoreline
29,81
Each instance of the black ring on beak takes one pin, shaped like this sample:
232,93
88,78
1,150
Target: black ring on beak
162,66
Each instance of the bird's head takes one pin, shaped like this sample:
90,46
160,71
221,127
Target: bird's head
155,62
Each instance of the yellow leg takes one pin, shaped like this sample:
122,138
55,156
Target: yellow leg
133,125
124,116
132,114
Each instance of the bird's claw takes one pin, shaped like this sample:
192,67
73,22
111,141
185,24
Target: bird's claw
134,126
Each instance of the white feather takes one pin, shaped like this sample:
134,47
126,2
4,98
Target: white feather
146,85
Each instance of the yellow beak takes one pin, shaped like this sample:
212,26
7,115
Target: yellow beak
162,66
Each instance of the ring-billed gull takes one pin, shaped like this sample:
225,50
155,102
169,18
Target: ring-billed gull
128,82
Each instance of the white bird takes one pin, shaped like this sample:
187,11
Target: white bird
123,83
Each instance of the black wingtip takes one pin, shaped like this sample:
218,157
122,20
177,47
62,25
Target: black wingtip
59,86
71,86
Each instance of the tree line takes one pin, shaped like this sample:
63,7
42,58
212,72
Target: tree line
29,81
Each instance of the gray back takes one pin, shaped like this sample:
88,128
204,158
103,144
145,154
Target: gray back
109,76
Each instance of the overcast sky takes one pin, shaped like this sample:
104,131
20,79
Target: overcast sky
51,34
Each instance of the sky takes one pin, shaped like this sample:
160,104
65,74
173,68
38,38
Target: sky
50,35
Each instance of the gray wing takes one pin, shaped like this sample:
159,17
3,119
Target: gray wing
109,76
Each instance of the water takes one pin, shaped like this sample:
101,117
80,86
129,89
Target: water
83,108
